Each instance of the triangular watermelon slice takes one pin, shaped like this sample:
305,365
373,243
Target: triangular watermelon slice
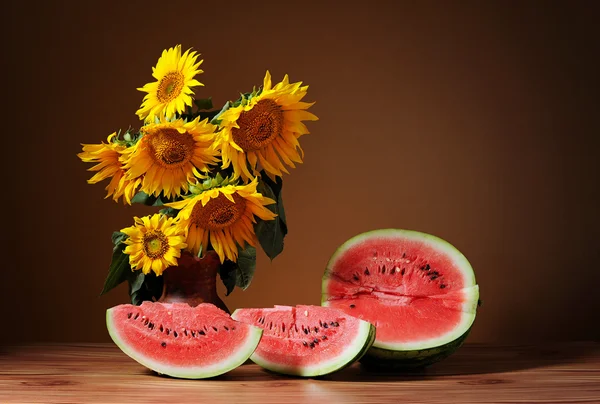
307,340
182,341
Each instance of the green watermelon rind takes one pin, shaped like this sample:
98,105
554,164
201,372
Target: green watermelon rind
203,372
385,359
354,351
421,353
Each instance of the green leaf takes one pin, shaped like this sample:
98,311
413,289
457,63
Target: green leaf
144,199
271,233
144,287
118,237
277,187
149,200
228,274
215,120
246,266
204,103
168,211
118,270
136,281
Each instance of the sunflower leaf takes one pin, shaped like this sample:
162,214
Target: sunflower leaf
204,103
246,264
119,268
168,211
228,274
215,120
118,237
144,199
271,233
144,287
277,187
136,281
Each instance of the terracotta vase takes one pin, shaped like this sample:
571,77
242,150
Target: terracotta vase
193,281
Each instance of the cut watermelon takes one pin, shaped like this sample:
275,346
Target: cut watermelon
307,340
418,290
182,341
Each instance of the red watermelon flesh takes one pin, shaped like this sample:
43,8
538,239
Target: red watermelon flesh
182,341
307,340
416,289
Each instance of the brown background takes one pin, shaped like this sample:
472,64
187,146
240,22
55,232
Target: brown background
477,122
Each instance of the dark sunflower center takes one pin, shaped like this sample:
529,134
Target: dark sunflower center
259,126
169,148
219,212
170,87
155,244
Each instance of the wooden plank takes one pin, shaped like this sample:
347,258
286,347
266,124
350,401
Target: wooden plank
100,373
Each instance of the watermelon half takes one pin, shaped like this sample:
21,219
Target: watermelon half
182,341
417,289
307,340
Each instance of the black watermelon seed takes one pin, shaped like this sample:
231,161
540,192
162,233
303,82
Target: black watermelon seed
434,277
193,334
175,334
442,286
129,315
226,328
161,328
403,271
304,343
332,324
151,326
168,331
316,329
383,269
337,324
201,332
352,306
316,340
422,268
355,277
215,328
163,344
136,316
403,255
427,267
185,332
146,322
311,345
324,337
367,272
435,273
305,331
325,325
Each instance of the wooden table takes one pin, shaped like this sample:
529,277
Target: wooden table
100,373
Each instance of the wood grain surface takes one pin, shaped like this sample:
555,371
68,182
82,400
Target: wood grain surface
100,373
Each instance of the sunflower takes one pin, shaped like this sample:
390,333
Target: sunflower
265,129
172,91
225,216
154,243
171,154
110,157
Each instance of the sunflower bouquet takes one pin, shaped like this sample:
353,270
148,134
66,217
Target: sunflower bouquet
214,176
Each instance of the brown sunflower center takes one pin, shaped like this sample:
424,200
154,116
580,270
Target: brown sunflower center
169,148
259,126
170,87
219,212
155,244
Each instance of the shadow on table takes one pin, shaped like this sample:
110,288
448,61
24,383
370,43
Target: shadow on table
480,360
470,360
